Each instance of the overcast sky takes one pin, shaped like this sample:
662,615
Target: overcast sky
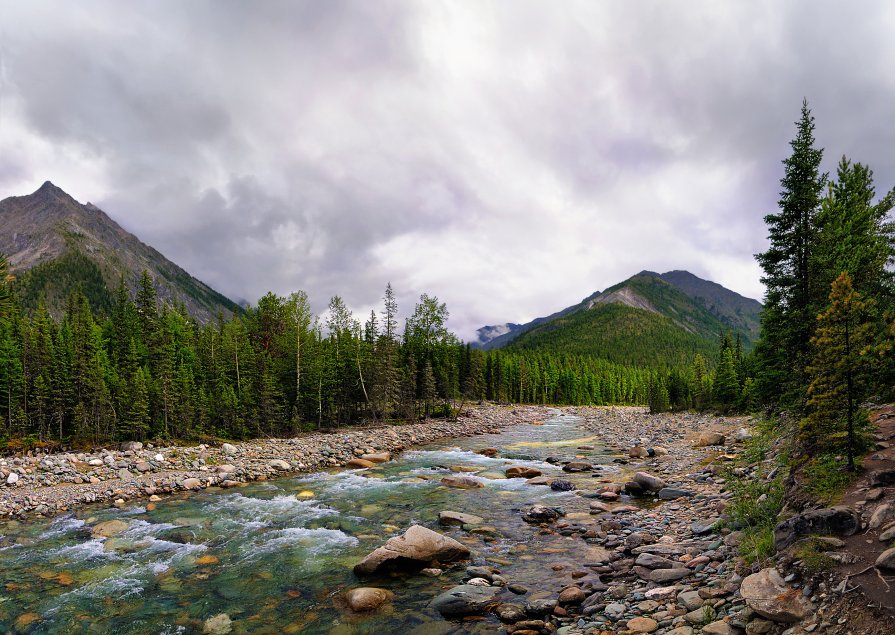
508,157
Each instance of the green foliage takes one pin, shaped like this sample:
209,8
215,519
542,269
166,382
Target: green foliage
812,553
51,283
826,477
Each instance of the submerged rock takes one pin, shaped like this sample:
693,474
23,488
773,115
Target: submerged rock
465,600
541,514
461,482
459,518
416,549
519,471
220,624
367,598
109,528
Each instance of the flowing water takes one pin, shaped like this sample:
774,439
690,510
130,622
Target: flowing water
277,555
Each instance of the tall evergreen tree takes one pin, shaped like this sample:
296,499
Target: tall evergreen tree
788,317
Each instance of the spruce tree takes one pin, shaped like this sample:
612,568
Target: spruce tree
788,317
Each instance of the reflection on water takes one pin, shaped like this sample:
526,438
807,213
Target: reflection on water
276,555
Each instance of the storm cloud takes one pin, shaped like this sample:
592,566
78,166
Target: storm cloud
509,157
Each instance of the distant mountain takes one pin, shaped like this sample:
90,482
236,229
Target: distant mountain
647,319
54,243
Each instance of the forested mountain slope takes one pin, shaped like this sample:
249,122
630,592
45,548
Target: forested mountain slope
54,243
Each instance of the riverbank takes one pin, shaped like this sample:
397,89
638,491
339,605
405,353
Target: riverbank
55,483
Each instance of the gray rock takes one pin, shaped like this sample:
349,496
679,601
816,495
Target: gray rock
839,521
615,611
670,493
459,518
464,600
228,449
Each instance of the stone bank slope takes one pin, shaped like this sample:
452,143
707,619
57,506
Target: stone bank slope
668,566
50,484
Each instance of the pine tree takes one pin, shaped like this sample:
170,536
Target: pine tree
840,371
789,276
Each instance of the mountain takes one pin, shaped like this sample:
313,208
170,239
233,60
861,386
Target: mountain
54,243
645,320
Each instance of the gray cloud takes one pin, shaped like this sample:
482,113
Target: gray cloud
505,156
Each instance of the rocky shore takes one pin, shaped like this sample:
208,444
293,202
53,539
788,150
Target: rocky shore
668,564
47,484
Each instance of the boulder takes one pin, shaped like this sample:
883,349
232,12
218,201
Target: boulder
465,600
131,446
886,560
459,518
577,466
540,480
572,595
461,482
710,438
652,561
229,449
519,471
12,479
768,595
664,576
280,464
360,463
649,482
540,514
377,457
638,452
108,528
718,627
367,598
192,483
416,549
839,521
562,485
489,452
881,515
882,478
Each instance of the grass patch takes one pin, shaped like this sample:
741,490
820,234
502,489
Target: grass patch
812,553
757,500
826,477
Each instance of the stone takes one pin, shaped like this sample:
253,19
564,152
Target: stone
464,468
887,534
367,598
489,452
638,452
220,624
459,518
510,612
229,449
690,600
464,600
652,561
577,466
670,493
12,479
742,435
540,606
131,446
662,576
377,457
681,630
461,482
519,471
360,463
540,514
719,627
768,595
540,480
710,438
661,594
614,611
415,549
562,485
839,521
108,528
280,464
882,478
882,514
192,483
886,560
642,625
571,595
649,482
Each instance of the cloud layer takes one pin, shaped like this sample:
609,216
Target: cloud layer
508,157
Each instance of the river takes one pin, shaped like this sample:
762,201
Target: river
276,556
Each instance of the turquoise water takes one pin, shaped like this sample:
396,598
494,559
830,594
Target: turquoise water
276,556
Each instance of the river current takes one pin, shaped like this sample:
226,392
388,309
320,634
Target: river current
277,556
